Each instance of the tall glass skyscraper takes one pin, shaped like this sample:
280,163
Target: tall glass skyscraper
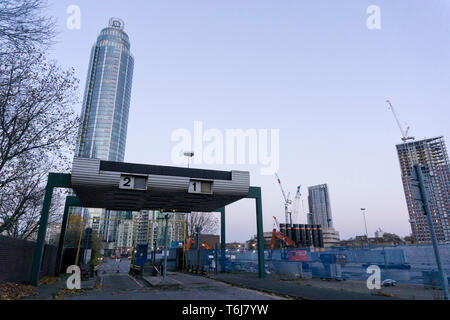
320,213
106,103
104,115
319,205
431,155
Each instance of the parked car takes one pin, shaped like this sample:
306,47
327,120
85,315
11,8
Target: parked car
389,283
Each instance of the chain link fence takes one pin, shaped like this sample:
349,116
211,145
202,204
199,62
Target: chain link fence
413,264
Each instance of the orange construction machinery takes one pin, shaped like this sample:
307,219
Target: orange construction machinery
278,235
191,242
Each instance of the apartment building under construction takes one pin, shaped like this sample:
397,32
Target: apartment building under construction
431,155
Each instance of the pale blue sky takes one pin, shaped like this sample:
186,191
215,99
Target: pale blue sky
309,68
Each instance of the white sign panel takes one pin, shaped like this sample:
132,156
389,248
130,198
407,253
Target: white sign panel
133,182
195,187
126,182
204,187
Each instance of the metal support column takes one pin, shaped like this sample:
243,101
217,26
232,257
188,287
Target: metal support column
166,231
71,201
255,193
428,213
222,239
55,180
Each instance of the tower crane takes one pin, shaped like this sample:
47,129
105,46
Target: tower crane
296,203
275,224
287,202
404,132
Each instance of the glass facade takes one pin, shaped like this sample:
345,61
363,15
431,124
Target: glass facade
104,115
106,103
319,206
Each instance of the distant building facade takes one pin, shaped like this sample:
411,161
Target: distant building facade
330,237
379,233
53,232
320,213
431,155
319,206
252,244
157,225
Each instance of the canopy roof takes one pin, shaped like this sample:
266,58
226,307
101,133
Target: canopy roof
129,186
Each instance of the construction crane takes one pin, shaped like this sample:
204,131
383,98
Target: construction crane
404,132
276,226
287,202
296,203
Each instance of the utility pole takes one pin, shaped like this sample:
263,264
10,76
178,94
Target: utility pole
420,194
166,231
198,229
365,225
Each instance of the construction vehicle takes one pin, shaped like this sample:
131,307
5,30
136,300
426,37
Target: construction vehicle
205,245
290,252
191,241
404,132
278,235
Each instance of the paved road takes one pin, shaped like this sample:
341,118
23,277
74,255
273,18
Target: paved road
295,288
124,287
112,265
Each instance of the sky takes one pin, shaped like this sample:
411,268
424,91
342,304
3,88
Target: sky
312,69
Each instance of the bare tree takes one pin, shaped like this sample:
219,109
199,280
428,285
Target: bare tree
21,202
37,131
206,220
24,26
37,124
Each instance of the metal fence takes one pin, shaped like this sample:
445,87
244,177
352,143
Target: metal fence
16,257
405,264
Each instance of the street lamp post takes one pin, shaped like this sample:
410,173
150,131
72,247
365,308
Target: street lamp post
189,154
365,223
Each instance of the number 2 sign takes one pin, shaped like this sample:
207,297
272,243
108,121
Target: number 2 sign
126,182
